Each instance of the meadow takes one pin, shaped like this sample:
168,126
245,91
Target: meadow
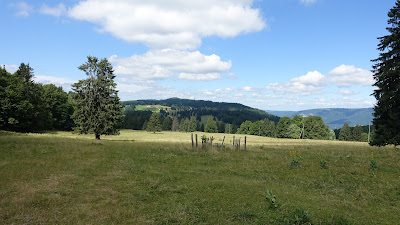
144,178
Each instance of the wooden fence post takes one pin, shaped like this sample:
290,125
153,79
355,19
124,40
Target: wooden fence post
245,142
233,141
222,145
196,141
192,141
211,139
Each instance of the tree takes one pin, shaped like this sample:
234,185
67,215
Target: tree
315,128
97,105
175,124
211,126
60,106
167,123
387,80
356,134
269,128
345,133
293,131
154,123
192,124
282,127
245,127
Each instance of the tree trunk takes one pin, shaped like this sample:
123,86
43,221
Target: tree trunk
97,136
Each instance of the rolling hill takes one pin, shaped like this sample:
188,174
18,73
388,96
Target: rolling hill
225,112
334,117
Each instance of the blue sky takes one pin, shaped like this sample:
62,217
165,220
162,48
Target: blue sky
268,54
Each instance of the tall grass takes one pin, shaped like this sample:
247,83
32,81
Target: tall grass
145,178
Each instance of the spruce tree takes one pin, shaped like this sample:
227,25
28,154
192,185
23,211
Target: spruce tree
345,133
357,131
97,106
175,124
154,123
387,80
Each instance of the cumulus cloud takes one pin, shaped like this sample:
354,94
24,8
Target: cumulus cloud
346,76
23,8
166,63
308,84
173,24
10,68
313,82
56,11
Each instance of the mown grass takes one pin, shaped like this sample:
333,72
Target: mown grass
145,178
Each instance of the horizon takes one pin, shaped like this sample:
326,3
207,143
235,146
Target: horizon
285,56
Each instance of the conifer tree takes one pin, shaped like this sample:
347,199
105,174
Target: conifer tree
387,80
357,131
175,124
345,133
154,123
97,106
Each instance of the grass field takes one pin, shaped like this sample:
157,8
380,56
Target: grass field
144,178
153,108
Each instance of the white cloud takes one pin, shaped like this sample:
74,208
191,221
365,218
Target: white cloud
199,77
166,63
313,82
248,89
58,81
308,84
56,11
348,92
311,78
23,8
308,2
173,24
346,76
10,68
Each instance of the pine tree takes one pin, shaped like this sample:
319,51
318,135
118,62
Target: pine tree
387,80
97,106
356,134
167,123
192,124
345,133
175,124
154,123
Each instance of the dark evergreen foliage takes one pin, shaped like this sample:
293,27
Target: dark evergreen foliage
154,123
387,80
27,106
97,105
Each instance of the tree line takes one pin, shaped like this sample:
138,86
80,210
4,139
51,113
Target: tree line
27,106
92,107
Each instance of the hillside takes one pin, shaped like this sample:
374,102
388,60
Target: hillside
231,113
334,117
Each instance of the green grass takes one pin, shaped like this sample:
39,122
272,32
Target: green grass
144,178
153,108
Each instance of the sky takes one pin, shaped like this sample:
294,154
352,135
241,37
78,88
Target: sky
267,54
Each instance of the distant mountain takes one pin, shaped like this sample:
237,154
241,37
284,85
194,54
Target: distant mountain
334,118
225,112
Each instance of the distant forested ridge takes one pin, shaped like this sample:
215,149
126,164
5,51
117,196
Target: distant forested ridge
227,115
334,117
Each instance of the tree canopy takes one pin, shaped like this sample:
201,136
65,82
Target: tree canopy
387,80
97,105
